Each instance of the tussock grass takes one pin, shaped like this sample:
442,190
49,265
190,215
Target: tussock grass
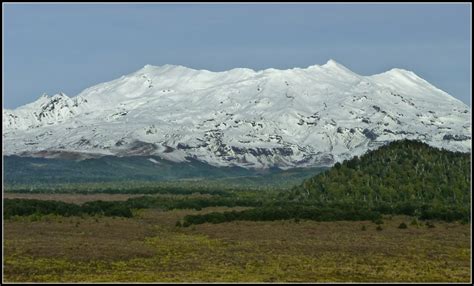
149,248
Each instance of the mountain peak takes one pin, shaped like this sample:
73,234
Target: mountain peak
332,62
333,65
169,69
59,95
401,71
165,67
401,75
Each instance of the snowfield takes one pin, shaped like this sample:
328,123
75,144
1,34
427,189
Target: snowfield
298,117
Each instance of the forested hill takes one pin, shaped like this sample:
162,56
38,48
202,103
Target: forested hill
398,173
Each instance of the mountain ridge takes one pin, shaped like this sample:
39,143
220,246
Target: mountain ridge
298,117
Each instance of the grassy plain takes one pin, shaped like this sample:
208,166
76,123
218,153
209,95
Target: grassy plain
150,248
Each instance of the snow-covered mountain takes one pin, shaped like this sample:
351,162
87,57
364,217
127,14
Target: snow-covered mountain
311,116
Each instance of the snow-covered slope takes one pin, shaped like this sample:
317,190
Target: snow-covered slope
286,118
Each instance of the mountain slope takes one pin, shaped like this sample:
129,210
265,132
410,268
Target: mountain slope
254,119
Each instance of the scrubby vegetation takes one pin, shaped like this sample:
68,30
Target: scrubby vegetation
25,207
149,248
291,212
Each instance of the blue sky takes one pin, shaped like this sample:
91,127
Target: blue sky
63,47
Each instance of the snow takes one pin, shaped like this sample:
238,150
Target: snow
153,161
260,119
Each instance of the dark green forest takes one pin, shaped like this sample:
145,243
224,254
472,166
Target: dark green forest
401,172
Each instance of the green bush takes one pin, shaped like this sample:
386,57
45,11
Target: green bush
378,221
429,224
402,226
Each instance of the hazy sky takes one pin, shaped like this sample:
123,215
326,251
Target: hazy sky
64,47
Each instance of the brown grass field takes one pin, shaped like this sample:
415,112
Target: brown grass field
149,248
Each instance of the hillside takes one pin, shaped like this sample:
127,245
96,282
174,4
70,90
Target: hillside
403,173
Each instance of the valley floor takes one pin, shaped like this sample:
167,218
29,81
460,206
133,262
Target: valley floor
150,248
